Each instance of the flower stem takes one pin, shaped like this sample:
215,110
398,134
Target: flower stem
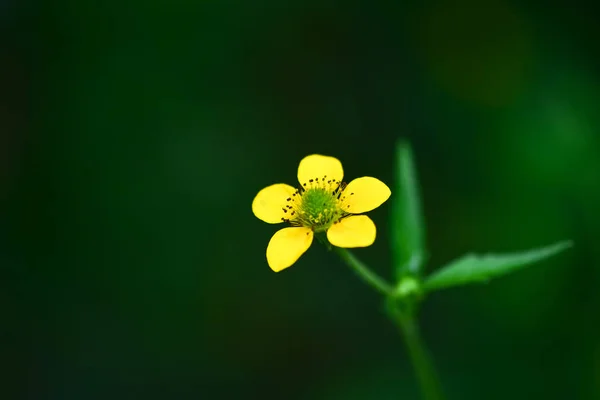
402,311
364,272
422,363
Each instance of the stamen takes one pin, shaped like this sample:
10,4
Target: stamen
316,204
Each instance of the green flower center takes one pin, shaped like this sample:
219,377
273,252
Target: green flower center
318,209
316,205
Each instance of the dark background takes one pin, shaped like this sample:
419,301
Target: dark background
135,134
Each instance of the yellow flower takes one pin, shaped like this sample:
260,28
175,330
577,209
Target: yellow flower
323,203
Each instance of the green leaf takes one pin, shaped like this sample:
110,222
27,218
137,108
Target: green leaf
408,231
480,268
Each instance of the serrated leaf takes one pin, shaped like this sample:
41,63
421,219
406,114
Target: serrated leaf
408,231
480,268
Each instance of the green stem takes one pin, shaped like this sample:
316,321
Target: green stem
422,363
405,319
364,272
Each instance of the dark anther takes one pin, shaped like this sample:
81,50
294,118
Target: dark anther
283,219
290,207
304,184
348,205
284,210
293,212
311,180
351,194
328,181
289,198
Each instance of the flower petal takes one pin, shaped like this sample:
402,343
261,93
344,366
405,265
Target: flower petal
318,166
364,194
353,231
287,245
269,203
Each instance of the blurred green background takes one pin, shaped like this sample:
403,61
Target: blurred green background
135,134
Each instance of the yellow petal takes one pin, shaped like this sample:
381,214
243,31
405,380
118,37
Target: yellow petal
287,245
269,203
353,231
364,194
318,166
